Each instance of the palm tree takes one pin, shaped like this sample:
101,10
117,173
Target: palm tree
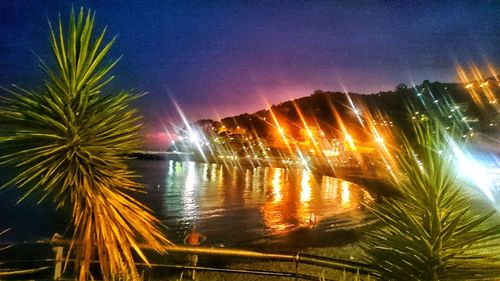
68,138
432,232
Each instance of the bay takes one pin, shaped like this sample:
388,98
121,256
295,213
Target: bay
248,207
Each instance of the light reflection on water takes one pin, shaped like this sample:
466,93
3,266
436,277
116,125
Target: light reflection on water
345,203
190,210
235,206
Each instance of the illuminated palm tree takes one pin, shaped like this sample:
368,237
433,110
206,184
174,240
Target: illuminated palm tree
68,140
432,232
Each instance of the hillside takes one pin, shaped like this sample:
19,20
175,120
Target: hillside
334,112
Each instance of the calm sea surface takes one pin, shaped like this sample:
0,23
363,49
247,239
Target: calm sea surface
234,207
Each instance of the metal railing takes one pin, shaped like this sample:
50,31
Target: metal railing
296,259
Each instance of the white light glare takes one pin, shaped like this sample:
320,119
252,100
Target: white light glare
470,168
194,137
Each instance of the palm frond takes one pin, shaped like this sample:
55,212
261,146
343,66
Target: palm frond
432,232
67,140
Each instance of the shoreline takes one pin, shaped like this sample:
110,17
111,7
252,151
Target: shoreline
337,247
350,252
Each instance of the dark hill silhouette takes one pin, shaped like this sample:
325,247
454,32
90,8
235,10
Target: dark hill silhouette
465,109
328,110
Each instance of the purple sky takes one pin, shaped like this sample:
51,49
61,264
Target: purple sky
229,57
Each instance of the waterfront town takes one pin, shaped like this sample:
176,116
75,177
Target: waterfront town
249,140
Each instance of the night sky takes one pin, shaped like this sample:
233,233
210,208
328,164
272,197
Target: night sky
220,58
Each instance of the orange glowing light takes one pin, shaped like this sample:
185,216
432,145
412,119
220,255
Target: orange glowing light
281,131
308,130
483,95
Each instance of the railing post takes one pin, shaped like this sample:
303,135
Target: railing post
58,261
297,260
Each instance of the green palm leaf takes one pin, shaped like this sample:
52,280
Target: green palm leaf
67,140
432,232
